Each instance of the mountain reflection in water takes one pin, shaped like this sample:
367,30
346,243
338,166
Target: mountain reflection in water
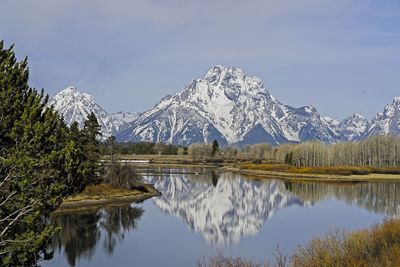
222,207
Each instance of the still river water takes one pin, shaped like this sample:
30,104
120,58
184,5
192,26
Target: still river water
203,212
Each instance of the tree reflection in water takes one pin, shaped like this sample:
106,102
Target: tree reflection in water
377,197
225,207
82,230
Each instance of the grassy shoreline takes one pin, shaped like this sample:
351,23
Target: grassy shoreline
378,245
310,177
280,171
98,195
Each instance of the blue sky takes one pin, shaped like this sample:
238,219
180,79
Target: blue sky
342,56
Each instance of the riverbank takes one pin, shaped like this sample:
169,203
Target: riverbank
377,246
102,194
281,171
167,160
310,177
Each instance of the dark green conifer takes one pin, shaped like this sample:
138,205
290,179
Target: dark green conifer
41,161
215,148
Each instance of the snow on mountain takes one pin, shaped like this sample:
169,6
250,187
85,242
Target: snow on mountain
231,107
353,127
74,105
228,106
222,210
309,125
126,117
387,122
333,122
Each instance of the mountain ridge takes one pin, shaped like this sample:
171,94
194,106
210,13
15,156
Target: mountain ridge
75,105
231,107
228,104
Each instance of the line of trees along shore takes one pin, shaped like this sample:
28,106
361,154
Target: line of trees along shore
381,151
111,147
41,161
378,151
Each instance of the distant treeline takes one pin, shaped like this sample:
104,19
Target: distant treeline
382,151
378,151
110,147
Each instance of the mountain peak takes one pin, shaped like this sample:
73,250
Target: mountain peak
73,94
353,127
310,109
230,106
388,121
69,89
356,116
75,105
218,75
232,81
220,69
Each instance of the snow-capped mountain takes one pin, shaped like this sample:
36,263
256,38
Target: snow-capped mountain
74,105
333,122
231,107
353,127
356,127
126,117
222,209
387,122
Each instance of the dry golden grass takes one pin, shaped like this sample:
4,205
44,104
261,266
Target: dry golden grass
101,191
379,246
265,167
329,170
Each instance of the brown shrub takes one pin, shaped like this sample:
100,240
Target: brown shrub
379,246
220,260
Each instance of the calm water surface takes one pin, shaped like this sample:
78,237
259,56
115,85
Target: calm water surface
202,214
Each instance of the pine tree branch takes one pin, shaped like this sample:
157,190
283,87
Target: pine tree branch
21,213
9,196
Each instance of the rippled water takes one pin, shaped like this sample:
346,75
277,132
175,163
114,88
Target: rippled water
201,214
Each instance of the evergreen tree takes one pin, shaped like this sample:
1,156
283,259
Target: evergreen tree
41,161
215,148
90,145
289,158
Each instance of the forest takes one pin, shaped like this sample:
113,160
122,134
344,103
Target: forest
375,151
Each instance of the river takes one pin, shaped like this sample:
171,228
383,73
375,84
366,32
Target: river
205,211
